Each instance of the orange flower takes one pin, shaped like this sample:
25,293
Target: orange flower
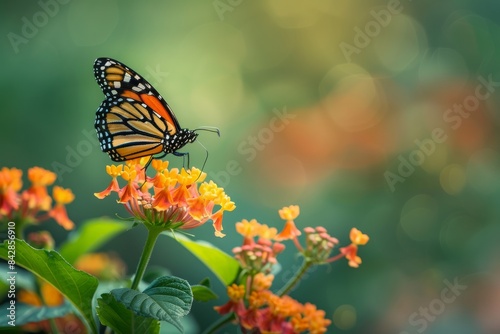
37,195
290,231
10,184
129,192
248,229
351,252
310,319
179,199
101,265
235,304
51,296
284,306
236,292
10,178
358,238
114,172
26,206
269,313
29,297
164,183
262,282
62,196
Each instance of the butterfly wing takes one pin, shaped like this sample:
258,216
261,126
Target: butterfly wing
128,129
134,120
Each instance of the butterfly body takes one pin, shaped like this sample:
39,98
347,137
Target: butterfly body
134,120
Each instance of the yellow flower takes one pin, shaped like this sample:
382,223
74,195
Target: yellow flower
358,238
114,172
172,198
36,196
29,297
41,177
62,196
262,282
248,229
310,319
10,178
351,252
289,212
236,292
26,207
58,212
290,231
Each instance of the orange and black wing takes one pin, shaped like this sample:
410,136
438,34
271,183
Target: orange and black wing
128,129
134,120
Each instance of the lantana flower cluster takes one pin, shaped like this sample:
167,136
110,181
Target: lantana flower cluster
34,204
252,302
172,199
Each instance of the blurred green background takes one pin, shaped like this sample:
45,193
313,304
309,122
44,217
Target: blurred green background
389,123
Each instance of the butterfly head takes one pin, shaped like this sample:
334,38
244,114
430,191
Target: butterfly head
178,140
190,135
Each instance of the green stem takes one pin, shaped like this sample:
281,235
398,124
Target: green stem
20,230
153,234
220,323
53,326
296,278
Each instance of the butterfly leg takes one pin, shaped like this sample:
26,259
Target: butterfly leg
148,163
185,156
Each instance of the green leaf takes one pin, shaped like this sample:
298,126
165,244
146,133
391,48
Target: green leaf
92,234
188,323
116,316
29,313
224,266
24,279
77,286
202,293
205,282
167,298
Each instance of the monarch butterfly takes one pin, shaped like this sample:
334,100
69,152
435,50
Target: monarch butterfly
134,120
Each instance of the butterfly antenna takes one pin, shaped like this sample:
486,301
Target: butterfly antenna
209,129
206,157
186,156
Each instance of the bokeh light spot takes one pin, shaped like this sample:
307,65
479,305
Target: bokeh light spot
442,65
400,43
355,101
452,179
344,317
483,171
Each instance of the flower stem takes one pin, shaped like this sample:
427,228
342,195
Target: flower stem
296,278
220,323
153,234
